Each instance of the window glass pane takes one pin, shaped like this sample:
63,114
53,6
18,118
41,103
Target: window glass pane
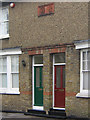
5,14
85,65
4,80
0,15
0,28
84,55
89,80
88,55
60,58
0,80
38,59
41,76
3,64
63,77
37,77
58,80
85,80
88,65
4,24
6,28
15,64
15,80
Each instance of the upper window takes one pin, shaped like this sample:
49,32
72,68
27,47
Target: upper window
4,22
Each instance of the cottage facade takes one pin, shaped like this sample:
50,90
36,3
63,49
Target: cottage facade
45,57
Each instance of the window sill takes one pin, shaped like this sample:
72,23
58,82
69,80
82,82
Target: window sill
83,94
12,92
4,37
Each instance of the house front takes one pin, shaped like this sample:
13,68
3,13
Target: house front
45,57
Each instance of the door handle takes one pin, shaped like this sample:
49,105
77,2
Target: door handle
56,90
59,89
40,89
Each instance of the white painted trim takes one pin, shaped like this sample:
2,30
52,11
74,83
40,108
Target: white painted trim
58,108
53,79
82,45
34,65
81,74
38,65
83,93
4,36
16,51
38,108
59,63
5,91
32,81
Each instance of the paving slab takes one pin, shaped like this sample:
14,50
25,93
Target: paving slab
21,116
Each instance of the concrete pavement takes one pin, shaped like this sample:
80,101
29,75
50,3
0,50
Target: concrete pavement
21,116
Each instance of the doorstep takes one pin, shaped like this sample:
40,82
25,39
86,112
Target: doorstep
51,114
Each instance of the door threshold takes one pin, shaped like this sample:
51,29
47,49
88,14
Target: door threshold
37,107
58,108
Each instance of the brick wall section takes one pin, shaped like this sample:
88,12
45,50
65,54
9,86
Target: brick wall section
73,105
47,80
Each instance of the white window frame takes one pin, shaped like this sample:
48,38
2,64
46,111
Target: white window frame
3,36
83,93
8,53
33,65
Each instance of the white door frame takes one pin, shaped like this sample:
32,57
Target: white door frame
33,65
54,64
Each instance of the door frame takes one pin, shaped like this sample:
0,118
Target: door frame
33,65
54,64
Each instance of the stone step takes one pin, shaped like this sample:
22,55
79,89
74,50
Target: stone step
45,115
36,111
57,112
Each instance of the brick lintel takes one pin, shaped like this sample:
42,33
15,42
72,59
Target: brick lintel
51,48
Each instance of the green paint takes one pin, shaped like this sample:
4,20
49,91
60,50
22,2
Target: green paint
38,86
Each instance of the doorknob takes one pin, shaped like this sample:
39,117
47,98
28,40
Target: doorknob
61,89
56,90
40,88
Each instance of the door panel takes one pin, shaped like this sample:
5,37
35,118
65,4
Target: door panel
38,86
59,86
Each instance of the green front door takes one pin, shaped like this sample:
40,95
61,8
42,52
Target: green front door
38,86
